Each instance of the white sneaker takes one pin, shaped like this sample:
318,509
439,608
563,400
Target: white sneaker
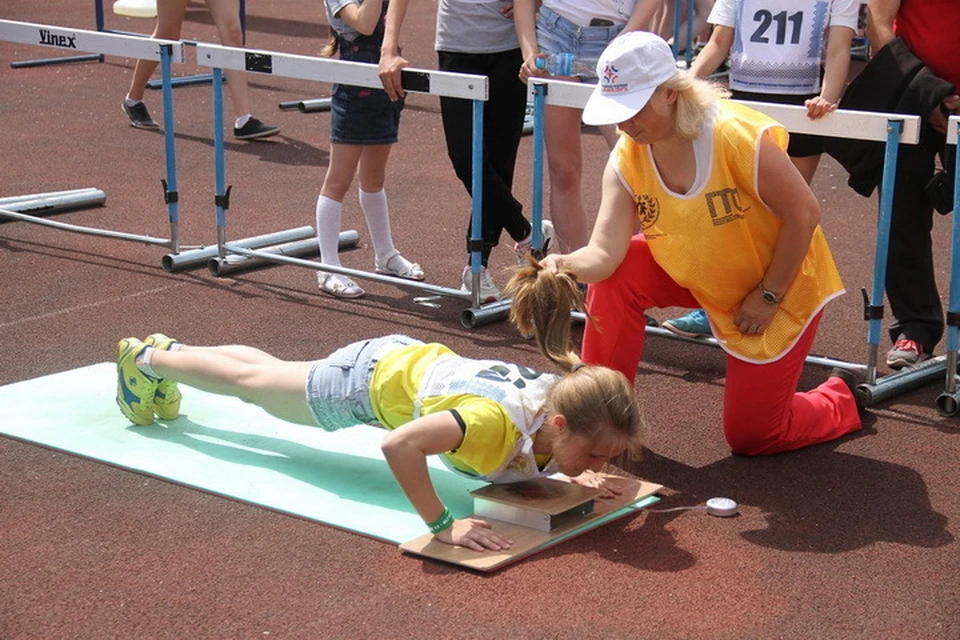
488,290
524,246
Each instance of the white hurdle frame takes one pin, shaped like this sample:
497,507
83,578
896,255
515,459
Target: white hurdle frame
892,129
166,52
439,83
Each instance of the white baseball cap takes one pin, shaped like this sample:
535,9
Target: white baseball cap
630,69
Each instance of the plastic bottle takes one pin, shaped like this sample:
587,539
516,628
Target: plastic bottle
564,64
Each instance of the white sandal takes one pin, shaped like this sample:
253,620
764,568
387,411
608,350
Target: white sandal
338,286
395,264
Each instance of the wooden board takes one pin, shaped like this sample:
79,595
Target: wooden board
527,541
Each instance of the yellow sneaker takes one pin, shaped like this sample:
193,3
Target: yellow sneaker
135,391
166,400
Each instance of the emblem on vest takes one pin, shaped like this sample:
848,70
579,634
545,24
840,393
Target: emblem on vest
648,210
724,206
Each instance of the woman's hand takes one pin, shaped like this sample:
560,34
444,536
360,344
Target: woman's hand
552,262
530,69
475,534
609,487
754,315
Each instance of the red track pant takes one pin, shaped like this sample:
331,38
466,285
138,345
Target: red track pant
762,411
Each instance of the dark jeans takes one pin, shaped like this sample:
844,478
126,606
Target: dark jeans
911,284
502,127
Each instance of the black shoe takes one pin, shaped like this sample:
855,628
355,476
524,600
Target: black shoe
139,116
254,130
853,381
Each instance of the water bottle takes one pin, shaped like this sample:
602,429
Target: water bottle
564,64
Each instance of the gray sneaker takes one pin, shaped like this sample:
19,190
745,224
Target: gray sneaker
139,116
905,353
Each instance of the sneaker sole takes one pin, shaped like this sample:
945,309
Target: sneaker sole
686,334
258,135
902,363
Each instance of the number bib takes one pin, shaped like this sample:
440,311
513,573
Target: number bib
522,393
778,46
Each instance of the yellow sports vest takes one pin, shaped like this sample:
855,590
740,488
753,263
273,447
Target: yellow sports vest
718,241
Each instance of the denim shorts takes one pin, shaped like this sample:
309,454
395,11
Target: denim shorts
363,115
556,34
338,387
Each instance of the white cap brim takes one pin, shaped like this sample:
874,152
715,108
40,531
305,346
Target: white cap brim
604,109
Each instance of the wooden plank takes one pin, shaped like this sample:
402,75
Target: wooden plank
543,495
527,541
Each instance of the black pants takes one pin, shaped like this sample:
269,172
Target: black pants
911,284
502,128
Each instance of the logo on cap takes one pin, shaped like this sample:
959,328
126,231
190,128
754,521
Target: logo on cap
610,77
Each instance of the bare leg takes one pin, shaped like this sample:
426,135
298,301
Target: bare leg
226,17
565,163
807,166
170,14
373,167
274,385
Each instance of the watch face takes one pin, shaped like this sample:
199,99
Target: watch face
769,297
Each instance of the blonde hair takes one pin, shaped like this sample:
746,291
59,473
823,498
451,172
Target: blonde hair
593,399
330,49
695,98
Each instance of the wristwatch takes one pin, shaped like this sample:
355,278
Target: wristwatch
768,296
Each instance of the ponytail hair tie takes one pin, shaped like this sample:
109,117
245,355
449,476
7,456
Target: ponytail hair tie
578,366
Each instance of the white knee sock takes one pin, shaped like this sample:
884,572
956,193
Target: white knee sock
375,210
329,213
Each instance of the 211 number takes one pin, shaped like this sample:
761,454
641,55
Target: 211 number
765,19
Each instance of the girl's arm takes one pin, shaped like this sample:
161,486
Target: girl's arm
611,234
839,39
406,449
364,17
789,198
714,53
391,62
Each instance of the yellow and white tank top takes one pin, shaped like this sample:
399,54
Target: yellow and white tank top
718,239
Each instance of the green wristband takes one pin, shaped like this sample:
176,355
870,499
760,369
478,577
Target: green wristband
445,521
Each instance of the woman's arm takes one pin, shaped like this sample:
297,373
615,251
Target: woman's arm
406,449
364,17
525,22
880,17
391,62
642,15
839,39
611,234
789,198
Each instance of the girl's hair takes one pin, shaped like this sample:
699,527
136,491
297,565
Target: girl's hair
330,49
695,98
592,398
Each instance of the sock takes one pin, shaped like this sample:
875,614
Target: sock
374,205
329,213
242,120
143,362
132,103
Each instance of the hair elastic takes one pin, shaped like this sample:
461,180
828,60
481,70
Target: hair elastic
578,366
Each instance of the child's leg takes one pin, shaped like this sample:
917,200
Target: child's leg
170,16
274,385
373,199
564,162
226,17
343,166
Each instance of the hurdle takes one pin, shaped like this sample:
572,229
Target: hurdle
439,83
948,402
888,128
166,52
100,21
